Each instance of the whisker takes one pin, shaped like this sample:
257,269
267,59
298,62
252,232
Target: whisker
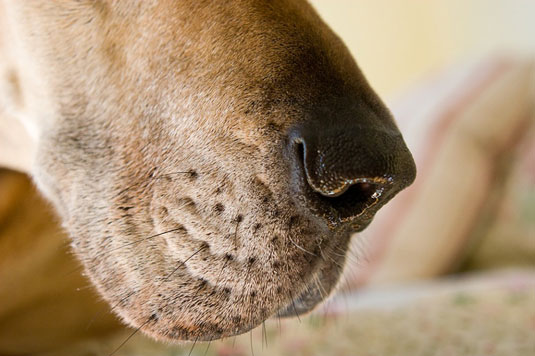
338,254
207,347
85,287
193,346
144,239
294,308
180,264
264,335
99,314
74,270
251,341
163,175
355,260
279,324
301,248
148,286
132,335
308,288
320,287
335,262
321,252
152,177
125,245
361,248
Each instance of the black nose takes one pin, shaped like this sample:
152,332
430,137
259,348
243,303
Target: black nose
345,173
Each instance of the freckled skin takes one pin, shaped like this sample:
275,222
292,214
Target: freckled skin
162,129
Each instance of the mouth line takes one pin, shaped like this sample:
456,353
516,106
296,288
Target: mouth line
319,284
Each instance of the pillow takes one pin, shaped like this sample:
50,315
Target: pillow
461,127
507,237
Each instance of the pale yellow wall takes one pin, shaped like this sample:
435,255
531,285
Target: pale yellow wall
396,42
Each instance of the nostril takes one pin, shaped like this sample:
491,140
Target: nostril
349,198
354,200
301,153
346,175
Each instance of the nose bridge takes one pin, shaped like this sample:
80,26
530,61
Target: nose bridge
362,111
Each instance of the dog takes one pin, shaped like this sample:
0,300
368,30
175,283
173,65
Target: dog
210,160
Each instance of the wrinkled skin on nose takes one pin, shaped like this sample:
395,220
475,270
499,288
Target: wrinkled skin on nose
210,159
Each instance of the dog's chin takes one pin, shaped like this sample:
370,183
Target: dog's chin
317,290
182,304
313,293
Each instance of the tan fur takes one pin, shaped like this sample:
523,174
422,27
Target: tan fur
45,302
157,116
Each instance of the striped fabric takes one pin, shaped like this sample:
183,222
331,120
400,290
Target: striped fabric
461,127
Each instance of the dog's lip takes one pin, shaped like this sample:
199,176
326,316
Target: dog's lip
321,283
301,304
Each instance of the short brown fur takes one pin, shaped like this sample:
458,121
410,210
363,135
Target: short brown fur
158,127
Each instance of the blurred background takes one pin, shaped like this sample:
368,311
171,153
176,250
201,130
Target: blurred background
446,268
398,42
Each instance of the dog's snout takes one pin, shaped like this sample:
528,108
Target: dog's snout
346,173
333,179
